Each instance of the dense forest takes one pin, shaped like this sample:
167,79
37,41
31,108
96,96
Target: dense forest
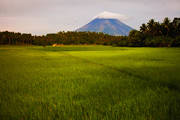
152,34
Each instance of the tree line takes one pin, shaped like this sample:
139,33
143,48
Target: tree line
151,34
157,34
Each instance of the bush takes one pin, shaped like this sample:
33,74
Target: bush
176,42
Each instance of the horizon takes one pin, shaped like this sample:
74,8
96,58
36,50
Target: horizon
53,16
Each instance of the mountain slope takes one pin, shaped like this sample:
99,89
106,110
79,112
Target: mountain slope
107,25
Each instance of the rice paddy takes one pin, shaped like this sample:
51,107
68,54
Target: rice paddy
89,83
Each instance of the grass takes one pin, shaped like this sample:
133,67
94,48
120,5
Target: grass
89,83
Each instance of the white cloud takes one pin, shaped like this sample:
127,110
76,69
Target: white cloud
111,15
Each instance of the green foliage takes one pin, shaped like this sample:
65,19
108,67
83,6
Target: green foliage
176,42
155,34
89,82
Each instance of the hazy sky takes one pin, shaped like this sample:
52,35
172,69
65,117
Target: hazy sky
49,16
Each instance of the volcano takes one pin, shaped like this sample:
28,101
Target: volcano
108,23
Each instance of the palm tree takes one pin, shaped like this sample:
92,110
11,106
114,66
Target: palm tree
166,26
157,29
150,26
166,21
143,28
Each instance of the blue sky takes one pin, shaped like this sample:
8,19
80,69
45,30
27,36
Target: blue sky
50,16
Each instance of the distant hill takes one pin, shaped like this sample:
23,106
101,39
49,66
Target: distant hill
110,26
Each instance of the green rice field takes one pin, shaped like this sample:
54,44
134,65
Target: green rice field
89,83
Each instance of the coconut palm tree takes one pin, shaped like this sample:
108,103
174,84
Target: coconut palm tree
143,28
150,26
166,26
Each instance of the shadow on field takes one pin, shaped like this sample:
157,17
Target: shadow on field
108,67
152,81
82,48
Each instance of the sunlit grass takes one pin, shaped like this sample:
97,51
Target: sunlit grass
89,82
